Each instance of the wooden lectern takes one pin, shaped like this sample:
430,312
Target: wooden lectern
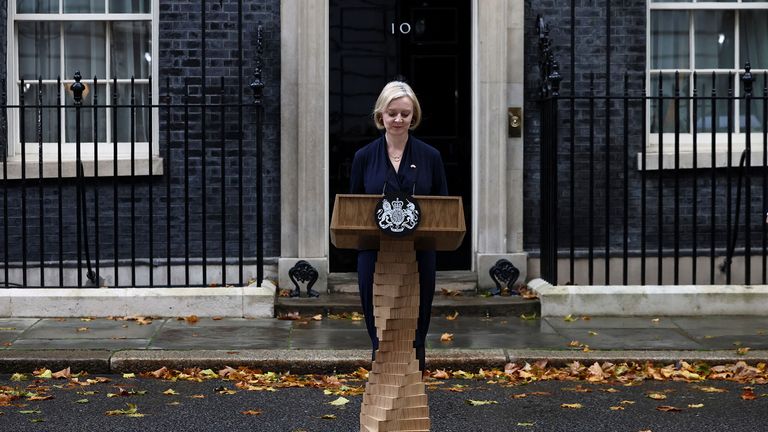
395,398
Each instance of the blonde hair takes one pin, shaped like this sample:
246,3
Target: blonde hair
395,90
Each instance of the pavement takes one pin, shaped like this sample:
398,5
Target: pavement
102,345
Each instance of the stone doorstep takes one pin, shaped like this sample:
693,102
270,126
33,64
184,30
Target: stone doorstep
651,300
465,281
468,304
250,302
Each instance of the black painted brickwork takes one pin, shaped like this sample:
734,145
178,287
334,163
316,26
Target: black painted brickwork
180,63
628,36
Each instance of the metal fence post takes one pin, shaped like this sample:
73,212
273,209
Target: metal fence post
257,86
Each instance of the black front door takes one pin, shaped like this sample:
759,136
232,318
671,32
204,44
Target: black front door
427,44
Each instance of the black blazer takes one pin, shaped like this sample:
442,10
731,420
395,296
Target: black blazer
421,166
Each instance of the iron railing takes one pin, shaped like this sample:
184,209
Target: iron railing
651,212
183,208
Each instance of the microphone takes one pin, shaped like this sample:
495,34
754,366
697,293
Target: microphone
414,180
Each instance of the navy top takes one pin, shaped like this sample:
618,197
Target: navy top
421,165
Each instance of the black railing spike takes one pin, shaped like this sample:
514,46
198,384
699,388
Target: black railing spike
77,88
747,78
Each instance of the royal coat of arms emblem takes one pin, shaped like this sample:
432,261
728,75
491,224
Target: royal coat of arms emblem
397,214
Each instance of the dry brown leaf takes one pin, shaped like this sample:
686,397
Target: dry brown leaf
572,405
657,396
617,408
192,319
446,337
668,408
453,316
64,373
318,317
440,374
251,412
748,394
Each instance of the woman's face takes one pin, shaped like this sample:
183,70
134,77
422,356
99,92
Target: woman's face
398,115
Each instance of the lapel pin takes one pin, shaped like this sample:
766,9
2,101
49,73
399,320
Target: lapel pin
413,166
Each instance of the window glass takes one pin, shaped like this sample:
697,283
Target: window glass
85,49
754,40
714,39
704,119
129,6
33,94
86,114
84,6
140,112
37,6
669,40
668,103
131,49
39,50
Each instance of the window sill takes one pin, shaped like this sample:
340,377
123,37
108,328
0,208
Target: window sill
703,160
50,167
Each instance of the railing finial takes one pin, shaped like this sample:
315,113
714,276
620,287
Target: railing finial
77,88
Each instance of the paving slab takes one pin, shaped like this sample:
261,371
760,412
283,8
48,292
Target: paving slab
722,325
103,329
79,344
224,334
611,322
15,325
338,339
645,339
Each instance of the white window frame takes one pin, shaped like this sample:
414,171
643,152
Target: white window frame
703,139
106,157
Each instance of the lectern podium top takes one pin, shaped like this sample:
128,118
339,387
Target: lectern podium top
442,225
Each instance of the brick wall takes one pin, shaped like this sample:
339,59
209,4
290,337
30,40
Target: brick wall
628,34
180,64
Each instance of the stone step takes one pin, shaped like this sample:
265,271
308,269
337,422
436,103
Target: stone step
467,304
450,280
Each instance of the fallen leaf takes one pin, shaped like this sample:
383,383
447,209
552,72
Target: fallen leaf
198,396
616,408
318,317
742,350
711,389
290,316
328,417
570,318
18,377
440,374
656,320
696,405
37,420
446,337
30,412
82,401
192,319
668,408
481,402
657,396
39,398
453,316
43,373
525,424
572,405
593,333
251,412
530,317
82,329
131,411
170,392
129,375
748,394
341,401
64,373
627,402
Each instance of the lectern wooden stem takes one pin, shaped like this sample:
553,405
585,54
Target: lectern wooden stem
395,398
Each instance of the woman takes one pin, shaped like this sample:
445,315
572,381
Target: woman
397,161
